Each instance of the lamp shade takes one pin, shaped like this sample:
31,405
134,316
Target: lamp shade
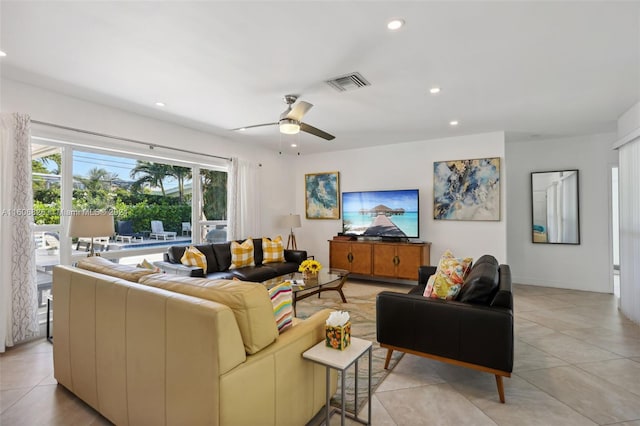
91,224
291,221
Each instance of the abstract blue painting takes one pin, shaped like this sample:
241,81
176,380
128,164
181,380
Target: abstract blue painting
466,189
322,194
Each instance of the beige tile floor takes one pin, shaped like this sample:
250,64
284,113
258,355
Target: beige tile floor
577,362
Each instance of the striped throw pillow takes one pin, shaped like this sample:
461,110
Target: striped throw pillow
194,257
272,250
242,254
282,306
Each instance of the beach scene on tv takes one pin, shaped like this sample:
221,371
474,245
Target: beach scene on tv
381,213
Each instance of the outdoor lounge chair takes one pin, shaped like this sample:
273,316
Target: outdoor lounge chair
125,232
157,231
51,240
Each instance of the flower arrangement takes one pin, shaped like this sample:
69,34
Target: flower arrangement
310,266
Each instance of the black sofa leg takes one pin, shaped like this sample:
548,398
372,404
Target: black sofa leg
500,387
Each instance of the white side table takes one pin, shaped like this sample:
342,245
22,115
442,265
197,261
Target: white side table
341,360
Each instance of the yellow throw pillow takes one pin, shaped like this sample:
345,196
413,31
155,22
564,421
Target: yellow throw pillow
272,250
242,254
194,257
147,265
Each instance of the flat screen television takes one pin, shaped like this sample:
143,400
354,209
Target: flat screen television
386,214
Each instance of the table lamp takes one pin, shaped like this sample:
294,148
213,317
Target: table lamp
90,224
292,221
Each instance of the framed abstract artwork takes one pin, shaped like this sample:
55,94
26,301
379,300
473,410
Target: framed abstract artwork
466,189
322,195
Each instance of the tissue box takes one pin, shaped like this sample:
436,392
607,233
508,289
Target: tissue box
338,337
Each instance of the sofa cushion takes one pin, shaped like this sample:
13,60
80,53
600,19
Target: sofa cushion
194,257
481,284
487,258
257,251
256,274
283,268
222,252
281,299
107,267
272,250
249,302
449,277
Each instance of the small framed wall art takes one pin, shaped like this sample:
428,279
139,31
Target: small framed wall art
466,189
322,195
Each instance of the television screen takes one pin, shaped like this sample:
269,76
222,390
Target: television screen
381,213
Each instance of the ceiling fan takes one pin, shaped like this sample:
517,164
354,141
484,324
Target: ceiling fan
290,121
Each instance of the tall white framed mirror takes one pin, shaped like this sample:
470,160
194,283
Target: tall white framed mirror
555,207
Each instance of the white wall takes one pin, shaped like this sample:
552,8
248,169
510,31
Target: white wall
47,106
406,166
586,266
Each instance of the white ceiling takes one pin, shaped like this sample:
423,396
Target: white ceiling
530,68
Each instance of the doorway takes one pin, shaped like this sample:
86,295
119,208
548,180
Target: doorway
615,231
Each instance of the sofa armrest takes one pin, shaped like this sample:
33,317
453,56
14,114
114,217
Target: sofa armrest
180,269
297,256
475,334
277,374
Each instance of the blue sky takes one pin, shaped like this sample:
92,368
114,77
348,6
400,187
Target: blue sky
85,161
405,199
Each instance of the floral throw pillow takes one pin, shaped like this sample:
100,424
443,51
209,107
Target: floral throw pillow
449,277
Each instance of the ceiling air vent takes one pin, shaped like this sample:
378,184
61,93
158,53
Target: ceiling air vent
348,82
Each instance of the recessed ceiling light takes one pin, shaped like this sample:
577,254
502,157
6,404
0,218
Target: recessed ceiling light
293,145
242,129
395,24
160,104
2,53
453,123
434,90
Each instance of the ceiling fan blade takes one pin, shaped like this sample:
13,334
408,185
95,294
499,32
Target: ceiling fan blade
316,132
256,125
299,110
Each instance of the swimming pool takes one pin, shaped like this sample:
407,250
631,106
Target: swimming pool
163,243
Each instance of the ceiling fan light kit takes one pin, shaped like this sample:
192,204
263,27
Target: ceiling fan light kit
289,126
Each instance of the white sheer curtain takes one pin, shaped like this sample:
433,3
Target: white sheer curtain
243,200
18,298
629,196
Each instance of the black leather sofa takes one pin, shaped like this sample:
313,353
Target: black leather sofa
474,331
219,259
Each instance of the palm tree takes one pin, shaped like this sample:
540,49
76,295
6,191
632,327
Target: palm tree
151,174
97,179
181,174
214,194
55,159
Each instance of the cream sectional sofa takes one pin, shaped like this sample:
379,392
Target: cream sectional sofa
157,349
